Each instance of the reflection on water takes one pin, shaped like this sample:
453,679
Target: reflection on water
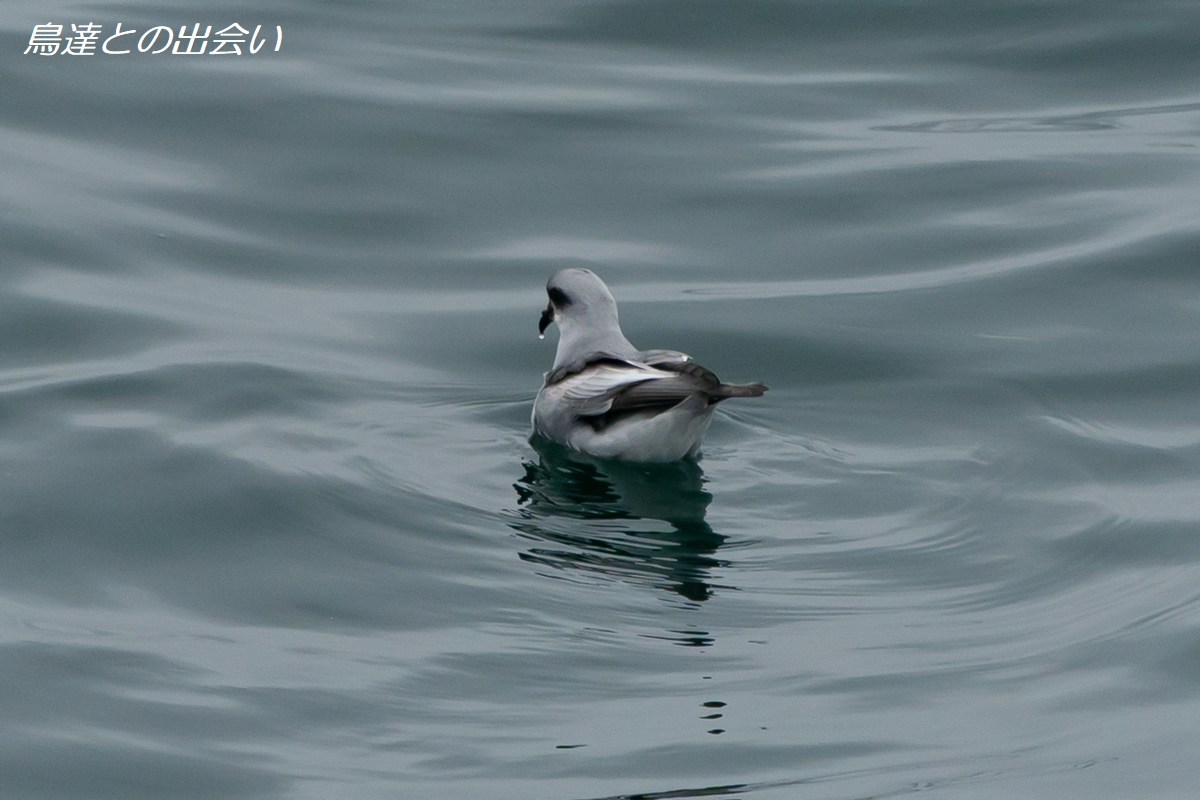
643,523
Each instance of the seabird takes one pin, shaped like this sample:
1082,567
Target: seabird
605,397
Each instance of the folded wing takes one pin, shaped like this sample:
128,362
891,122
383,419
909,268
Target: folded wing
601,388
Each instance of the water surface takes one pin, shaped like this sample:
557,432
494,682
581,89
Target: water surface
271,525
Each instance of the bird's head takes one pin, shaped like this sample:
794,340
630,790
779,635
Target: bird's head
586,314
578,298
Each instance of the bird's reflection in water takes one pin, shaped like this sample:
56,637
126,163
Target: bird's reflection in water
643,523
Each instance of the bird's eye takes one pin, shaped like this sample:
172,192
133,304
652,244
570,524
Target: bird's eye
558,297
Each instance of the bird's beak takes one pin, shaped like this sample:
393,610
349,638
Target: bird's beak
547,318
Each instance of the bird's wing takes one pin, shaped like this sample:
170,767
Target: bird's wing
672,385
607,389
666,359
593,389
609,386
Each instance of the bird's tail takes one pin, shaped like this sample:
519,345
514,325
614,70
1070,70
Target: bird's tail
727,390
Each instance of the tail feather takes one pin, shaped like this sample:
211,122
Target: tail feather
727,390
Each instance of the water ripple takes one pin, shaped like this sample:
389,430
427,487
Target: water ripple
1098,120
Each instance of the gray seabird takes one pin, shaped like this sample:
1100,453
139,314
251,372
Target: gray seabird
605,397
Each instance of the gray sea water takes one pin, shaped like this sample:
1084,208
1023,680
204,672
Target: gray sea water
270,524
